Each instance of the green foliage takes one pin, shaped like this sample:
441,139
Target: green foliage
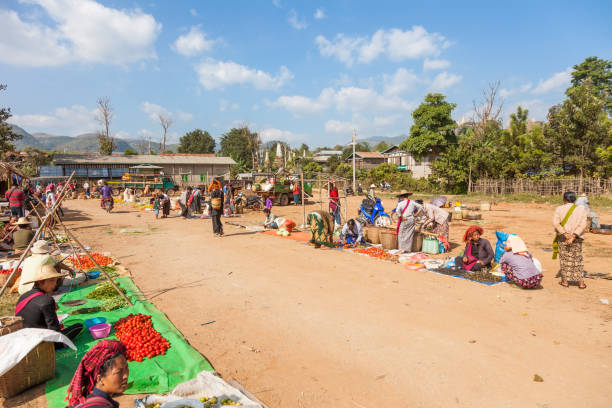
34,159
344,170
398,179
433,127
452,168
129,152
605,155
106,144
236,145
310,167
600,73
197,141
7,137
332,163
381,146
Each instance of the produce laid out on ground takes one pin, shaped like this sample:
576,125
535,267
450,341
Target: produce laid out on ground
84,262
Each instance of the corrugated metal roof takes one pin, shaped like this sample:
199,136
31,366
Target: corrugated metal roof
329,153
142,159
368,155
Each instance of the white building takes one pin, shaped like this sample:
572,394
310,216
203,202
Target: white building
322,156
405,161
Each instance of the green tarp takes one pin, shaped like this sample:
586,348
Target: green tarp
157,375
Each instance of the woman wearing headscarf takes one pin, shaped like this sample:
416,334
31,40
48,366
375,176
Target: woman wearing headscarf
102,373
518,266
406,210
321,227
478,252
570,222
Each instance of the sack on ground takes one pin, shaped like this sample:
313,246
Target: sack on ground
502,237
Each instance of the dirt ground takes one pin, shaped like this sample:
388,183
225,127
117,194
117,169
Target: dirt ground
301,327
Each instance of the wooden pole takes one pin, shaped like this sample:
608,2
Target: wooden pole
40,229
303,204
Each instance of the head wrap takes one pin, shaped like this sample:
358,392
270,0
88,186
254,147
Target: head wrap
517,244
88,369
468,234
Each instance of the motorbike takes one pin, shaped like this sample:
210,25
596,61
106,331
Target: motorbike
349,191
108,204
243,201
373,213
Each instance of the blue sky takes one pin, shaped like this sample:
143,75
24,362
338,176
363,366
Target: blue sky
295,71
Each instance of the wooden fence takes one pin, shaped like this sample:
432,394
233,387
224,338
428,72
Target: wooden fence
592,186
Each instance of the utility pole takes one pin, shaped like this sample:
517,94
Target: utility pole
354,138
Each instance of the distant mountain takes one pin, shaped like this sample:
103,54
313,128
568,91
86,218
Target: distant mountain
390,140
85,143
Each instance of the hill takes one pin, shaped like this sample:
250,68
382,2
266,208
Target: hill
85,143
390,140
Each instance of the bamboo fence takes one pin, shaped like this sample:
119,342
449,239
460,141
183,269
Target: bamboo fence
557,186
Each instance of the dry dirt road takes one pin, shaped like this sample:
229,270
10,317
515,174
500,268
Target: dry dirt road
301,327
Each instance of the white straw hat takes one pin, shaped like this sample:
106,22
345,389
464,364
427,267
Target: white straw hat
40,247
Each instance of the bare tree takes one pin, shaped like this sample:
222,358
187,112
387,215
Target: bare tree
487,112
165,121
105,117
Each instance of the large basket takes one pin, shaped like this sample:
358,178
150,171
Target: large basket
36,367
374,235
388,239
417,242
5,276
10,324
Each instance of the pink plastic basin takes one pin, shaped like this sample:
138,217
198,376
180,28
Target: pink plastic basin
100,331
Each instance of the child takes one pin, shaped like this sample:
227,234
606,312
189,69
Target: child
156,205
269,203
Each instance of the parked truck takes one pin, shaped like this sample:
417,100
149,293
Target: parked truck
280,189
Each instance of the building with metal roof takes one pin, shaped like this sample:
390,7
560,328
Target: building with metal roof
184,168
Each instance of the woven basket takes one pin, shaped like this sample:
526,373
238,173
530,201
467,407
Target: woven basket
35,368
4,277
10,324
417,242
374,235
388,239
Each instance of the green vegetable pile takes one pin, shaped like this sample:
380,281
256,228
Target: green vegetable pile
113,303
110,270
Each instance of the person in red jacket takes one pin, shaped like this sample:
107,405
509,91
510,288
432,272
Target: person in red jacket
297,192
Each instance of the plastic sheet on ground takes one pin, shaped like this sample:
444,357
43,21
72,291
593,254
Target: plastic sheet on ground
16,345
206,384
157,375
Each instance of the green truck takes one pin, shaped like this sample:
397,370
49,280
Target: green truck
282,191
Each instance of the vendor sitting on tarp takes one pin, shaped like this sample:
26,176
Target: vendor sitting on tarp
352,233
23,235
518,266
270,221
102,373
478,252
40,256
37,307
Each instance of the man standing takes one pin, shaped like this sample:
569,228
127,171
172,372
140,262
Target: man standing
216,204
16,198
570,222
185,210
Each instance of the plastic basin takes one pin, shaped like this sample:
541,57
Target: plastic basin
100,331
94,321
93,274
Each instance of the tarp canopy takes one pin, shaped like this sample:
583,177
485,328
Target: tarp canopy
157,375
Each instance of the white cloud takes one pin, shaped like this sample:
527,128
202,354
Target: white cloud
537,108
193,12
145,133
386,120
223,104
400,82
346,99
154,110
122,134
193,43
277,3
434,64
217,74
70,121
184,116
295,21
319,14
396,44
504,93
339,127
443,81
557,82
270,134
81,31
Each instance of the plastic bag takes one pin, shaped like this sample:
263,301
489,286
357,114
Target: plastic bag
502,237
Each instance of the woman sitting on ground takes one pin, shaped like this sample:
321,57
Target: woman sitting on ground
102,373
37,307
478,252
518,266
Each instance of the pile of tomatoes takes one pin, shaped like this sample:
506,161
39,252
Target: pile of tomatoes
373,252
8,271
84,262
140,338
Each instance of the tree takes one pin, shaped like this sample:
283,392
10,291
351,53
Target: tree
129,152
34,158
7,137
197,141
433,127
304,148
106,143
359,147
600,73
332,163
235,144
381,146
165,121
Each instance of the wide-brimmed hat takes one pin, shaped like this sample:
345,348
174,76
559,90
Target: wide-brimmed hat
403,193
43,273
40,247
372,185
23,221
